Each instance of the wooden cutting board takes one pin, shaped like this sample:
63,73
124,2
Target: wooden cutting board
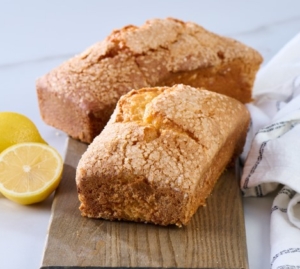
215,238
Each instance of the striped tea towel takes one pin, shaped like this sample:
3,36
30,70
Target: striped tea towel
271,155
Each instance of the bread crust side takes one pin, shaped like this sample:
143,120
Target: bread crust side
162,52
160,155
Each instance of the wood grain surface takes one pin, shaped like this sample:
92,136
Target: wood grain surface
215,238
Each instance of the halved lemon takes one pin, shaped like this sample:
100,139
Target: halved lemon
29,172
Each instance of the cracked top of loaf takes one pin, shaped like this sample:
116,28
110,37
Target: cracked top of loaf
167,135
137,57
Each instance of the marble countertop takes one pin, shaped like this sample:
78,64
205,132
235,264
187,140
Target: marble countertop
36,36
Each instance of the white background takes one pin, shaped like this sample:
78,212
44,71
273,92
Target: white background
36,36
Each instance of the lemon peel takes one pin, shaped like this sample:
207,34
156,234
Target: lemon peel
17,128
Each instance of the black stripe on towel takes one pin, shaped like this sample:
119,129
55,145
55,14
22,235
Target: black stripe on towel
284,252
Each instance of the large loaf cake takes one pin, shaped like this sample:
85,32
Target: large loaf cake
160,155
79,96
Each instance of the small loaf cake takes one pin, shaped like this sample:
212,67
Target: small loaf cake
80,95
160,155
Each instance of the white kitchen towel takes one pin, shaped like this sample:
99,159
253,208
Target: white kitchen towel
271,155
285,234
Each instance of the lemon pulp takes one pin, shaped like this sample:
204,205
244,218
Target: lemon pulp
29,172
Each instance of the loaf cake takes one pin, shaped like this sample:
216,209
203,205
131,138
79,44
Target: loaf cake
80,95
160,155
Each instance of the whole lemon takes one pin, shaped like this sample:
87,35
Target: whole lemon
16,128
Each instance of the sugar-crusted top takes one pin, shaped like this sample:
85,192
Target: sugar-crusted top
136,57
166,135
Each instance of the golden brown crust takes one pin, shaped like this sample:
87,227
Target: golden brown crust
159,53
160,154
